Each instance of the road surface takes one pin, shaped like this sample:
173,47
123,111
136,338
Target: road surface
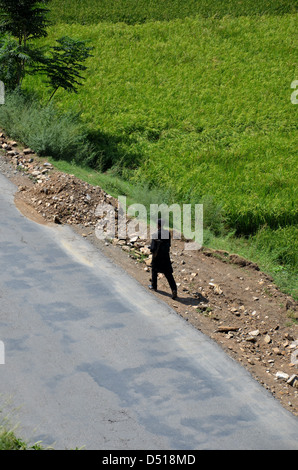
93,359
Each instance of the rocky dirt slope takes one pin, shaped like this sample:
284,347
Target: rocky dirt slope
221,294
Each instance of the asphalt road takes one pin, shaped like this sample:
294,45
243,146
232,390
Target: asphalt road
93,359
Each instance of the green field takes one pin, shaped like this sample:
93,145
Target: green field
140,11
194,98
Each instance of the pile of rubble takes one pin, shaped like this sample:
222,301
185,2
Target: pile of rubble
58,197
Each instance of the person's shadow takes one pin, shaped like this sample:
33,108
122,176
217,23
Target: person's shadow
193,300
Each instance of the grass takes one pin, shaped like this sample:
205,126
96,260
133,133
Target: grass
10,441
140,11
195,106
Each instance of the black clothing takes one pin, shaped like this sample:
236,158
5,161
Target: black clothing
169,276
161,263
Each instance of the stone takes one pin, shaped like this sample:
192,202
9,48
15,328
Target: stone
277,351
121,242
56,220
282,375
251,339
145,250
267,339
254,333
292,379
226,329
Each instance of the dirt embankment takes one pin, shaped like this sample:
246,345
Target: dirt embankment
221,294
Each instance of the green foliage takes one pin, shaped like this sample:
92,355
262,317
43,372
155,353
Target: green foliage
140,11
63,65
24,19
281,245
46,130
11,56
21,21
199,107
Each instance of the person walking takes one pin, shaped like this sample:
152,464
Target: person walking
161,263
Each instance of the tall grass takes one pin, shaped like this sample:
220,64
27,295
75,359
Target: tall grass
46,130
139,11
198,107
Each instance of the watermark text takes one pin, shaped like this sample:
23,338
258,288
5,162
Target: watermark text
136,220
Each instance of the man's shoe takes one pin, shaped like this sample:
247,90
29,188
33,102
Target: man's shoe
174,294
152,288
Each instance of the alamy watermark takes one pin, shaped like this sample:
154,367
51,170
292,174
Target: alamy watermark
134,221
2,93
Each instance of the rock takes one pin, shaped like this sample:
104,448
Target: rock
216,288
251,339
289,336
289,304
267,339
121,242
56,219
282,375
254,333
226,329
276,351
292,379
27,151
145,250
